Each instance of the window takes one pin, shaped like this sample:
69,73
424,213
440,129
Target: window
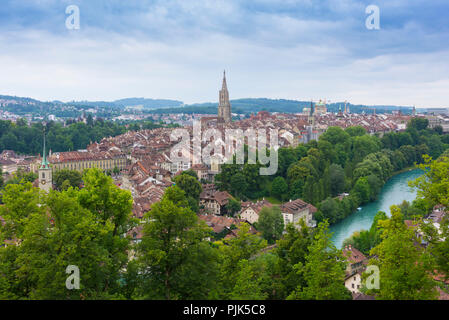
43,175
352,286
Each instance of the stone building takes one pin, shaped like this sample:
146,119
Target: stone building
224,106
293,211
250,210
81,160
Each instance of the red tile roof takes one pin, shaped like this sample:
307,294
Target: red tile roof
353,255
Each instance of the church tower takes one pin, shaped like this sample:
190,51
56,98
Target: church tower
45,174
224,106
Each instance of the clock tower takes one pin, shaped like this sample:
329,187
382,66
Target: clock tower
45,174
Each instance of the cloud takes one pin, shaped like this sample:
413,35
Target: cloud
177,49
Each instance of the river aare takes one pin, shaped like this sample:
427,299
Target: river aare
393,192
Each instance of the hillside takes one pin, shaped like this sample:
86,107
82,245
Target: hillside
20,105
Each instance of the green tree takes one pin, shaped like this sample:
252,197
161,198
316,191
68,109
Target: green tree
172,246
291,250
192,188
362,190
191,173
21,176
270,223
55,231
72,176
323,270
279,188
433,186
433,189
101,196
418,123
1,178
356,131
247,284
328,209
337,179
335,135
404,267
233,207
243,247
238,184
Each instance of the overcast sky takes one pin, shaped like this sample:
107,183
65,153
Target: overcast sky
177,49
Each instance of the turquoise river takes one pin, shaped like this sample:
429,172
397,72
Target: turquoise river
394,191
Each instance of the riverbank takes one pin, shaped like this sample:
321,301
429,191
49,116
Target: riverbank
394,191
402,171
407,169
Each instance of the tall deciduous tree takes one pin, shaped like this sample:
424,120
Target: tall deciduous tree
404,266
270,223
173,252
433,186
279,188
243,247
54,231
192,188
73,177
323,270
291,250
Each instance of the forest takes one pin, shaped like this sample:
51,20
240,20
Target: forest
73,135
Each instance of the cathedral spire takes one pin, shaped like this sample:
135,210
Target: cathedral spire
224,106
224,86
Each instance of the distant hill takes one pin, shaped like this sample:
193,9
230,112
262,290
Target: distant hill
129,102
149,103
22,105
254,105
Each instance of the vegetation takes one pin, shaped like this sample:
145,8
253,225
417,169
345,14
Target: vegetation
407,260
404,266
342,161
75,135
366,240
89,228
188,182
41,234
323,270
433,189
72,227
63,179
270,223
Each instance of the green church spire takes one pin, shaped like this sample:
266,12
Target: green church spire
44,164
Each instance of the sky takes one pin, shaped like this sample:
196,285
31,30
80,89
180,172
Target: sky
178,49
